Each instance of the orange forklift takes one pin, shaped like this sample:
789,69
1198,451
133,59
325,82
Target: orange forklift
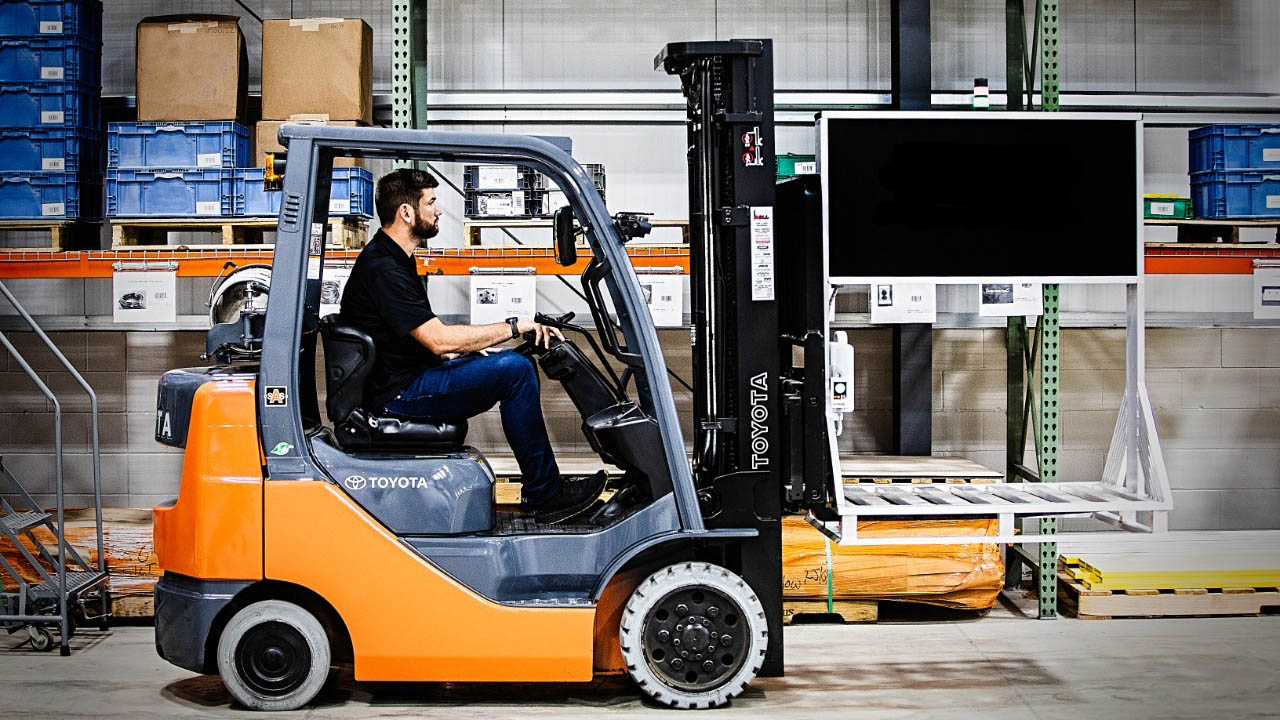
301,540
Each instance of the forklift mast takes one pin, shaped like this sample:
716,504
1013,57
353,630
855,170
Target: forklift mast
738,459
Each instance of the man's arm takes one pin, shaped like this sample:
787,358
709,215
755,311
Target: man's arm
442,339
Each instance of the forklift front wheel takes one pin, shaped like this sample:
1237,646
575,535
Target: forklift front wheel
693,635
274,656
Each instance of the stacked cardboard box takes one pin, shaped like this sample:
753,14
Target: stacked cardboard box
191,67
314,71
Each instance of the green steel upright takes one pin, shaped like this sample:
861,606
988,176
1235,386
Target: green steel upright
408,65
1033,369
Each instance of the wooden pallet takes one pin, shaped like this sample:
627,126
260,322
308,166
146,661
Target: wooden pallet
472,229
1087,604
63,234
847,610
348,233
1191,230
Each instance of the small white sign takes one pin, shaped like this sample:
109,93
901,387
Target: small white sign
809,167
52,73
209,160
495,298
1271,154
664,294
1010,299
509,204
209,208
144,296
53,164
51,27
339,206
1162,208
1273,202
51,117
903,303
50,209
497,177
332,287
762,253
1266,293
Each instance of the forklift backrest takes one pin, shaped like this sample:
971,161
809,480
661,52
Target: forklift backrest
348,360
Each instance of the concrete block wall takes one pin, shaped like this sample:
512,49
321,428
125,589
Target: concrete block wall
1216,395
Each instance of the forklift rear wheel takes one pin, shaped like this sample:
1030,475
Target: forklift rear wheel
693,635
273,655
41,638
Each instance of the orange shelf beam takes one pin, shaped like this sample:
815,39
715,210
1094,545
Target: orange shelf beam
209,262
1206,259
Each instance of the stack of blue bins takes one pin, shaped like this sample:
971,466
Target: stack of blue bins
1235,171
179,170
196,170
51,110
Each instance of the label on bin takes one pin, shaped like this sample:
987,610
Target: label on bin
209,208
1161,208
209,160
807,168
53,209
53,164
1273,202
51,27
496,177
339,206
1270,154
52,117
506,204
52,73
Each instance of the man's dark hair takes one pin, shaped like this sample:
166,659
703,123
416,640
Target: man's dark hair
399,187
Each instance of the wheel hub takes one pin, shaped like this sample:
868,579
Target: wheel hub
692,638
273,658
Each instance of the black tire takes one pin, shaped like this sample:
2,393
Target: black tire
273,655
663,646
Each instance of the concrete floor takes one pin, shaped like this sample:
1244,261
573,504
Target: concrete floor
999,666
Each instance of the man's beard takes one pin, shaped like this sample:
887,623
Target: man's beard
424,231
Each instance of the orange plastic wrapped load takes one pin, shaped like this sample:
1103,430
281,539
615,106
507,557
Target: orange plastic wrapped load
966,576
126,541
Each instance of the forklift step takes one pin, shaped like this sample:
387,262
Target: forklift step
21,521
77,582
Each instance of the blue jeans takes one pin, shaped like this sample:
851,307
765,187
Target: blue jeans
467,386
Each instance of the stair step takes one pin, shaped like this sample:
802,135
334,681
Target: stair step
19,521
76,582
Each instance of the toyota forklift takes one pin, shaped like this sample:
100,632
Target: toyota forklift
297,542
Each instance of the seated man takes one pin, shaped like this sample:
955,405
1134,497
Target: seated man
427,369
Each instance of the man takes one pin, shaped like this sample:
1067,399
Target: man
427,369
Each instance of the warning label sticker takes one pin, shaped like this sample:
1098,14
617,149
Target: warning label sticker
762,253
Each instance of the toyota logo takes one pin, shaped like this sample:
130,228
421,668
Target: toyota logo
354,482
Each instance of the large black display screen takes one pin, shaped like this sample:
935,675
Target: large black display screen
981,197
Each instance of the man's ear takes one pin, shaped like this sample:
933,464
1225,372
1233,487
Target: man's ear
405,214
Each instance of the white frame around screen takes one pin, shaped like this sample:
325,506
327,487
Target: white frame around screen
1133,493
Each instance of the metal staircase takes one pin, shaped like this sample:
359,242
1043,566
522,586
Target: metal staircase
59,586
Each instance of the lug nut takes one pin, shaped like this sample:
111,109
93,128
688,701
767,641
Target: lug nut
715,636
682,610
726,640
711,648
713,611
679,628
708,666
676,663
663,636
684,653
698,656
676,642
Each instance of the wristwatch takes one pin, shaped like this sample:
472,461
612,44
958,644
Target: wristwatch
514,322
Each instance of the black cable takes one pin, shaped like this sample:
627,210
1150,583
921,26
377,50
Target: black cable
566,283
253,14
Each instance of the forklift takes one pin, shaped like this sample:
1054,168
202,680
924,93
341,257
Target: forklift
374,540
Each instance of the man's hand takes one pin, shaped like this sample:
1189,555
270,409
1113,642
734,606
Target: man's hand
543,333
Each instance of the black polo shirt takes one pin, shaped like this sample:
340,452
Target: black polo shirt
386,298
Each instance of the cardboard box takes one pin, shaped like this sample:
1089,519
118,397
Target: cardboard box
317,66
267,140
191,67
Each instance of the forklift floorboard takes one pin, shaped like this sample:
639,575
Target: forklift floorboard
1000,666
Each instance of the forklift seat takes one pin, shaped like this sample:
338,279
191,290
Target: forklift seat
348,360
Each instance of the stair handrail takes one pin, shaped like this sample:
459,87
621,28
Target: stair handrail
64,545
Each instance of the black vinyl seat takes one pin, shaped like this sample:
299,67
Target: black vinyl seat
348,360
